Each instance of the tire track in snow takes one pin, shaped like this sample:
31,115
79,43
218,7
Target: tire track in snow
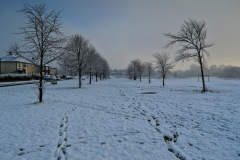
60,153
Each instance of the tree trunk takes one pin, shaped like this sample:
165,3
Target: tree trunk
140,78
80,79
201,66
40,87
163,80
96,77
100,76
149,78
163,76
41,68
90,80
134,75
40,80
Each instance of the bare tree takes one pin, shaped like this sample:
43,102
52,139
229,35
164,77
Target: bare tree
98,66
149,67
191,36
106,69
132,70
140,66
42,36
62,62
76,55
91,61
163,64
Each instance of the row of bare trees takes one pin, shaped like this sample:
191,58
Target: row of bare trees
192,40
135,69
81,57
163,65
43,42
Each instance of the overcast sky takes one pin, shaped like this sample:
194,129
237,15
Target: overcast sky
122,30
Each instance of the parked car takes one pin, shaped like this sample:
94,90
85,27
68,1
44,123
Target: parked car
53,77
68,77
47,78
58,77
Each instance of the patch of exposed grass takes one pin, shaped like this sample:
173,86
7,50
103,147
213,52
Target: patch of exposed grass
200,91
149,93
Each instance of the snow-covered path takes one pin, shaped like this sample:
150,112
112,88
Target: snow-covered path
122,119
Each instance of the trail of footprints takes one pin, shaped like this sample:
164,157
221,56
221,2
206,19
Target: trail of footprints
26,151
169,138
62,144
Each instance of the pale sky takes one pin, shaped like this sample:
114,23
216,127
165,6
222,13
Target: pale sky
122,30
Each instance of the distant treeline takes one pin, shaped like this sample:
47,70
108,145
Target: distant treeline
220,71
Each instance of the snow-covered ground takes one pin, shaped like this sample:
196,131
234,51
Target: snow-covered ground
122,119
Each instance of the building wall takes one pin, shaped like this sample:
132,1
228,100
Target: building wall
8,67
30,69
53,71
23,65
46,70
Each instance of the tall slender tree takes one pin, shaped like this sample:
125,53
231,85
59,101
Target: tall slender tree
91,61
76,55
106,69
140,66
149,67
98,66
191,37
163,64
42,37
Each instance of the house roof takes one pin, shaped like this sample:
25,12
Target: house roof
14,58
53,67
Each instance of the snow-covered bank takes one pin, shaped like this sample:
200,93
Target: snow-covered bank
122,119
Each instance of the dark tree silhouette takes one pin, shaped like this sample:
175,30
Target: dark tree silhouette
149,68
76,55
191,36
42,37
163,64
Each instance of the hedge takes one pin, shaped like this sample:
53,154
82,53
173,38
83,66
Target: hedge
15,77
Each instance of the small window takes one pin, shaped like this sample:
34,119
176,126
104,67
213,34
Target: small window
29,65
19,64
24,65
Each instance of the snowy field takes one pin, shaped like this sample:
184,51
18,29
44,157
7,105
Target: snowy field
122,119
